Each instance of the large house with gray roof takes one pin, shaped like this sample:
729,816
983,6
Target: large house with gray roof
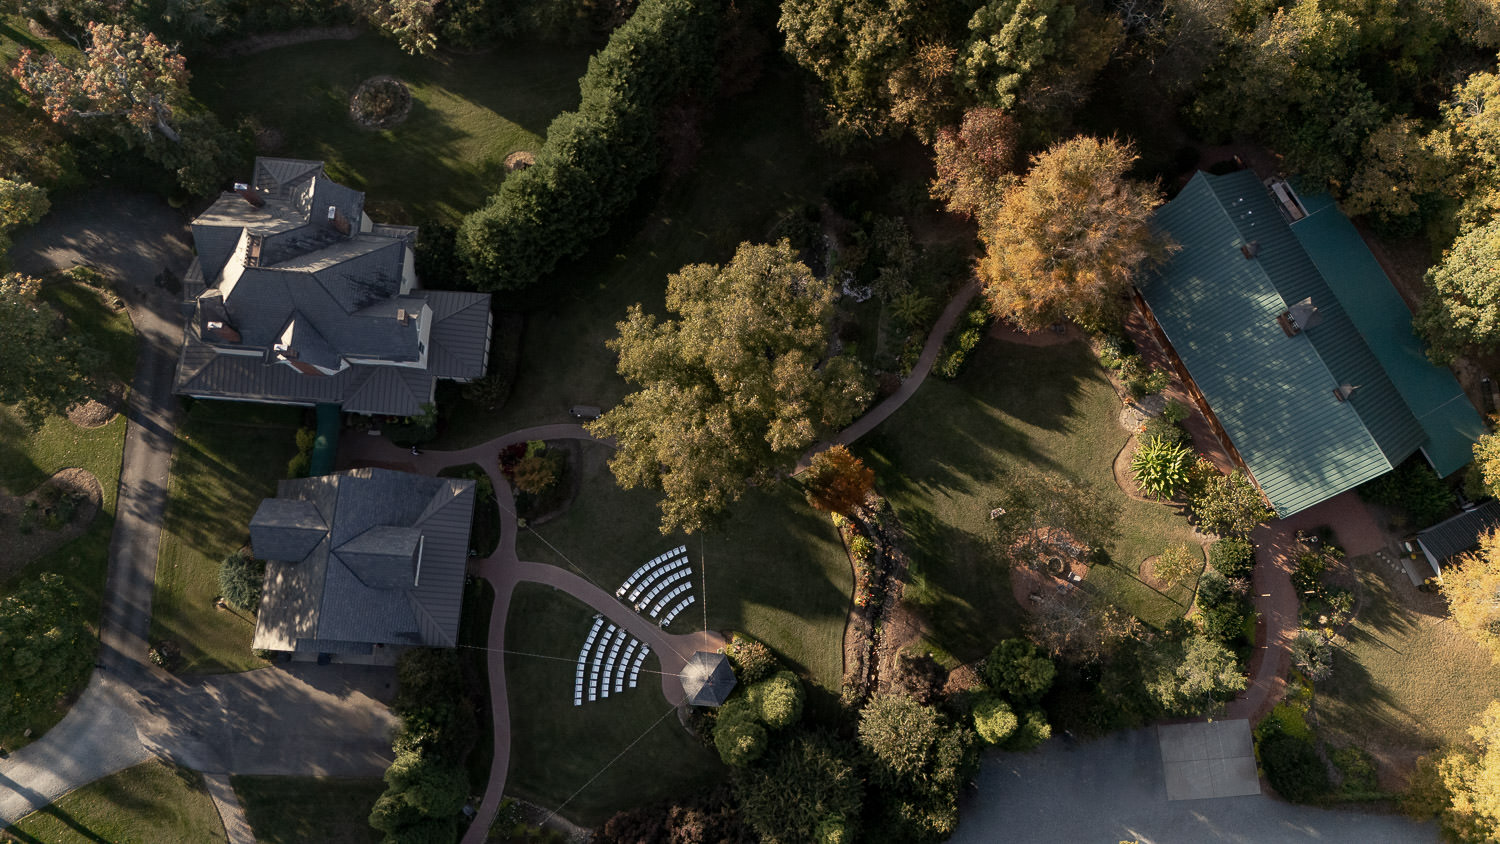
1295,345
298,297
360,560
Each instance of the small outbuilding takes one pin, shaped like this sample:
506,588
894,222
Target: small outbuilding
707,679
1451,537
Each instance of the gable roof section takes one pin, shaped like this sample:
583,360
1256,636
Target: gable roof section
280,176
1460,533
286,529
459,341
1273,394
1448,418
331,601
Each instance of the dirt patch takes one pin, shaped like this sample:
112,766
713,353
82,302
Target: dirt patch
96,413
1124,478
519,160
47,517
249,45
380,102
1057,335
1148,575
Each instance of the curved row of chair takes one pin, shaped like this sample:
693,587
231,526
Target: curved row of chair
656,567
601,664
682,605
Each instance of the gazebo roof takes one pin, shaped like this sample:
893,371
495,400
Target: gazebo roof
707,679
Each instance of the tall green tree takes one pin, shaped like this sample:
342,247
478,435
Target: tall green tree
1009,40
1068,240
918,761
1189,676
1461,310
733,389
48,368
46,650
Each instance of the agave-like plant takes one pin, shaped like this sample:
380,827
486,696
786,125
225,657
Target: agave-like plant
1161,467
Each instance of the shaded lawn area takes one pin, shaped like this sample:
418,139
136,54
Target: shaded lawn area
755,163
468,113
557,748
27,458
942,458
152,803
228,456
1406,679
474,639
293,810
776,569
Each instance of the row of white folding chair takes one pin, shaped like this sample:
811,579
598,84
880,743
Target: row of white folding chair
656,575
635,667
630,581
625,665
583,658
667,619
660,585
609,664
657,608
594,668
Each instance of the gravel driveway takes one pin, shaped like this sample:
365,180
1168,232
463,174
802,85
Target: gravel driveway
1112,790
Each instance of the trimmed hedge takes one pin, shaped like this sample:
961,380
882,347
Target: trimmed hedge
595,158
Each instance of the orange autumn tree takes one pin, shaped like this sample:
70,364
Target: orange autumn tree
1068,239
837,481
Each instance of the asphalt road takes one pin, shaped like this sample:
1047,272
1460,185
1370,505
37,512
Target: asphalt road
1113,790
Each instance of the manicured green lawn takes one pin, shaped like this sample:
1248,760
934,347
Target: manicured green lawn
474,639
756,162
293,810
558,750
227,458
468,113
152,803
776,569
942,458
1406,679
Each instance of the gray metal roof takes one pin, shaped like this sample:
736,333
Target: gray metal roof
1460,533
707,679
286,272
458,346
355,587
286,529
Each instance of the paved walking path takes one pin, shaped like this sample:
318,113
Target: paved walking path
919,371
236,825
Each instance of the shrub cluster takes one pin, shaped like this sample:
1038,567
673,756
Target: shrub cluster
1292,766
751,660
1016,674
1415,490
241,577
962,340
740,731
1224,606
301,463
595,158
1232,557
427,784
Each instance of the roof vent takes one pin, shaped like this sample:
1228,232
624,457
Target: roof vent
1304,314
402,316
1344,391
250,195
1250,250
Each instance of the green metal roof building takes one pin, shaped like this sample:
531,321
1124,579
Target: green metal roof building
1297,344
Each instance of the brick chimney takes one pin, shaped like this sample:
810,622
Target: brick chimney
337,219
250,194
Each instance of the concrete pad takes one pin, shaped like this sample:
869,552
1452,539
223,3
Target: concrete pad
1208,759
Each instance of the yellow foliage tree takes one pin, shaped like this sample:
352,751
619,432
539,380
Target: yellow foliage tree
1462,787
1473,592
1069,238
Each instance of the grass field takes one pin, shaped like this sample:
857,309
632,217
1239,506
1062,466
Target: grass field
228,457
755,163
942,458
152,803
468,113
776,569
295,810
474,638
562,753
1406,680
